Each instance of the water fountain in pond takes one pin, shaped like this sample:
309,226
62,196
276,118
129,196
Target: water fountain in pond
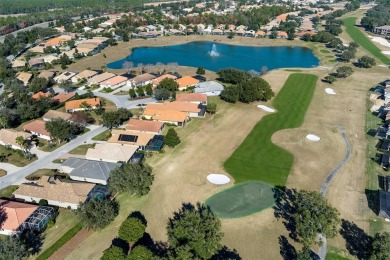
214,52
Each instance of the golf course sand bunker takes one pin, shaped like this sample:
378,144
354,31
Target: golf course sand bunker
330,91
265,108
242,199
386,52
313,138
218,179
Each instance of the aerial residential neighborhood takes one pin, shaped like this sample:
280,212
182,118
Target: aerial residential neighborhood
133,129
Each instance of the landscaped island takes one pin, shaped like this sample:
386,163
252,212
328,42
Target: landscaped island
214,56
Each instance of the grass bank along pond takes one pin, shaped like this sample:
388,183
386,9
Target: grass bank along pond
214,56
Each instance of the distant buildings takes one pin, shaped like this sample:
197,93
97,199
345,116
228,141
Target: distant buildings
384,30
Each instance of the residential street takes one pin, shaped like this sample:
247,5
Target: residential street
45,161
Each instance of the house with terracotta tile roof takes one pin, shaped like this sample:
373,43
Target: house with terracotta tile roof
82,104
157,80
124,137
39,95
54,114
193,110
260,33
57,41
281,18
62,97
196,98
114,82
282,35
186,82
38,128
152,127
166,116
57,192
14,214
8,137
24,77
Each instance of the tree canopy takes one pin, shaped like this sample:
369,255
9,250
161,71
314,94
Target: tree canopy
131,230
131,178
162,94
366,62
168,84
115,118
171,138
113,253
232,75
11,247
313,215
98,213
140,253
343,72
380,246
194,232
61,129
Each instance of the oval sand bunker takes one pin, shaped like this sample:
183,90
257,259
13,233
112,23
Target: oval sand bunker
330,91
265,108
218,179
313,138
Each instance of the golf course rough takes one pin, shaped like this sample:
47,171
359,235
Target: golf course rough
242,199
257,158
362,40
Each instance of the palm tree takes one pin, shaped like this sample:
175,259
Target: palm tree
22,143
85,105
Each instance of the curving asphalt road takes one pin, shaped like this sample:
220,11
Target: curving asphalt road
323,249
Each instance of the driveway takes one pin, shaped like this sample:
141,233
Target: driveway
46,161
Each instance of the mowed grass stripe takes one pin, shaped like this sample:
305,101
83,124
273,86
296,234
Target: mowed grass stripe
257,158
363,41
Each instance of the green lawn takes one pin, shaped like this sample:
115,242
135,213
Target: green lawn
335,254
324,51
103,136
257,158
82,149
362,40
7,192
14,157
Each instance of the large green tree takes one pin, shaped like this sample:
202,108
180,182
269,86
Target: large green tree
113,253
313,215
115,118
366,62
255,89
131,178
131,230
168,84
61,129
98,213
140,253
171,138
232,75
11,247
194,232
162,94
381,247
344,71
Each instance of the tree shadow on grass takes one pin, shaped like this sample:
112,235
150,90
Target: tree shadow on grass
140,216
121,243
287,251
159,248
358,242
284,209
226,253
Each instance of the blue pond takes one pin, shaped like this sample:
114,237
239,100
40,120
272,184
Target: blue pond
214,56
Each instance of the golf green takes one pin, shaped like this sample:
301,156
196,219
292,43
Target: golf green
242,199
257,158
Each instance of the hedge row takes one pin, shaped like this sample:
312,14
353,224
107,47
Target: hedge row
60,242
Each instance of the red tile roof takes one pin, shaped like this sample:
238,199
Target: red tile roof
191,97
37,126
144,126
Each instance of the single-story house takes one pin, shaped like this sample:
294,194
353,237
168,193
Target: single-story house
111,152
282,35
39,95
260,33
195,98
186,82
139,139
50,58
210,88
157,80
8,137
36,63
46,74
18,64
62,97
78,105
38,128
57,192
57,41
152,127
384,204
24,77
38,49
100,78
13,215
54,114
65,76
86,74
166,116
142,80
384,30
193,110
114,82
86,170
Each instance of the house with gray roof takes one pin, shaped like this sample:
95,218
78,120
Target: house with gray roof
88,170
210,88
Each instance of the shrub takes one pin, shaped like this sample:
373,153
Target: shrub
43,202
131,230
